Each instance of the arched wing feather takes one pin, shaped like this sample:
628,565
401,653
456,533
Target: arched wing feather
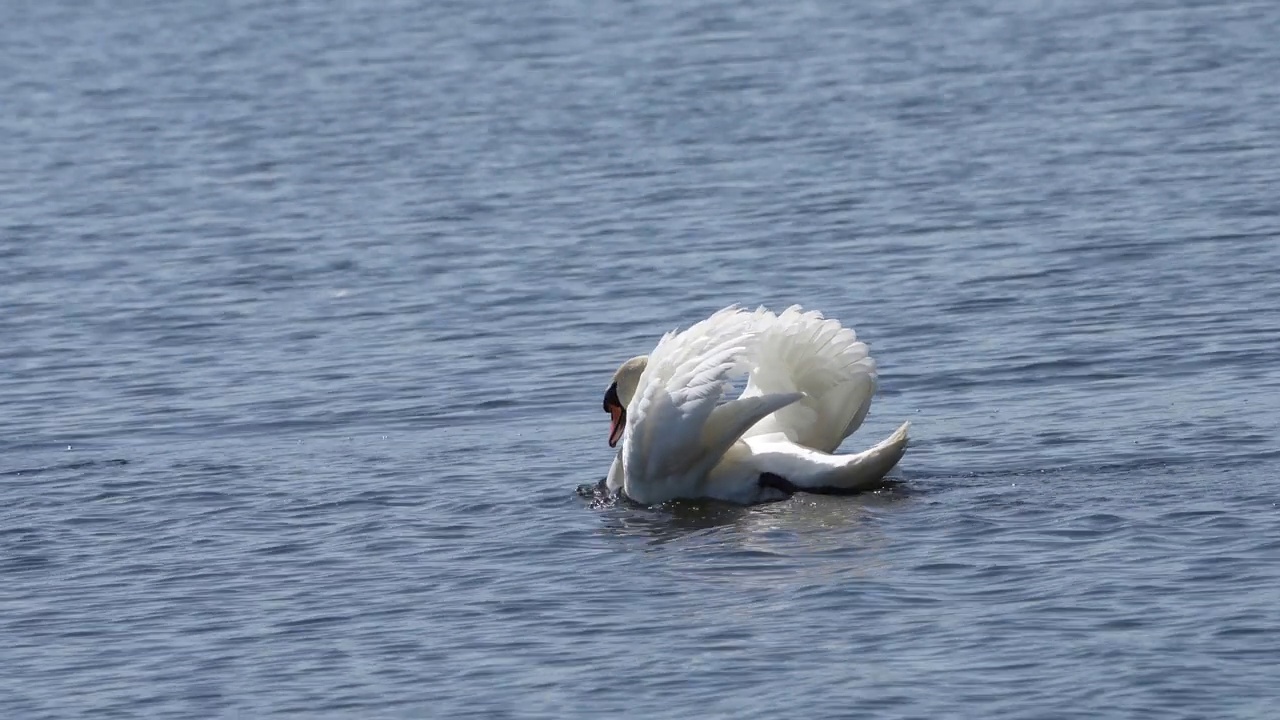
676,424
797,351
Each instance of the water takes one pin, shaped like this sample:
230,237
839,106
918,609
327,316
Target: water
307,309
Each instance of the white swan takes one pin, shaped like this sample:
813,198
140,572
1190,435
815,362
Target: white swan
810,386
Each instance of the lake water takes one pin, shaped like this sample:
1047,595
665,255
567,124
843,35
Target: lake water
307,309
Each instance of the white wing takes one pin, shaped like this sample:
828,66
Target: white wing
799,351
677,429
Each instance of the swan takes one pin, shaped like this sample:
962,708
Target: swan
810,384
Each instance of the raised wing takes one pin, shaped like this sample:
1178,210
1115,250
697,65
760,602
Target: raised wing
797,351
677,427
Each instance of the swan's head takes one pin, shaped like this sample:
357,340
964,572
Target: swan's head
619,394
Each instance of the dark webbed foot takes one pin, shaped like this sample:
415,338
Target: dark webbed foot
777,482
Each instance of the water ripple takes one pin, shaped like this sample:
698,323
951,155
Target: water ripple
308,310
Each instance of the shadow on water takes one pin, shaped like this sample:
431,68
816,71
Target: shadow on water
684,518
663,522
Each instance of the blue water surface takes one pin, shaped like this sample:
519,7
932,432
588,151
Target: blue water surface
307,308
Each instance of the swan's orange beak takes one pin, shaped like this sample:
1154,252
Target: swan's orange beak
617,414
617,423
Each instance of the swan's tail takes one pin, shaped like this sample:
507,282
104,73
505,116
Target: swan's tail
867,469
793,468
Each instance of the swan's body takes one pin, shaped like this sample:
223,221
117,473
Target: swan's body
810,386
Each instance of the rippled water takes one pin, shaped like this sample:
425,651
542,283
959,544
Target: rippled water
307,309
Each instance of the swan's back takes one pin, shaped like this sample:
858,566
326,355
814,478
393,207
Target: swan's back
799,351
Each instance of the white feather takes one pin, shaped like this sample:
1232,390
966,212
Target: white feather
811,383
